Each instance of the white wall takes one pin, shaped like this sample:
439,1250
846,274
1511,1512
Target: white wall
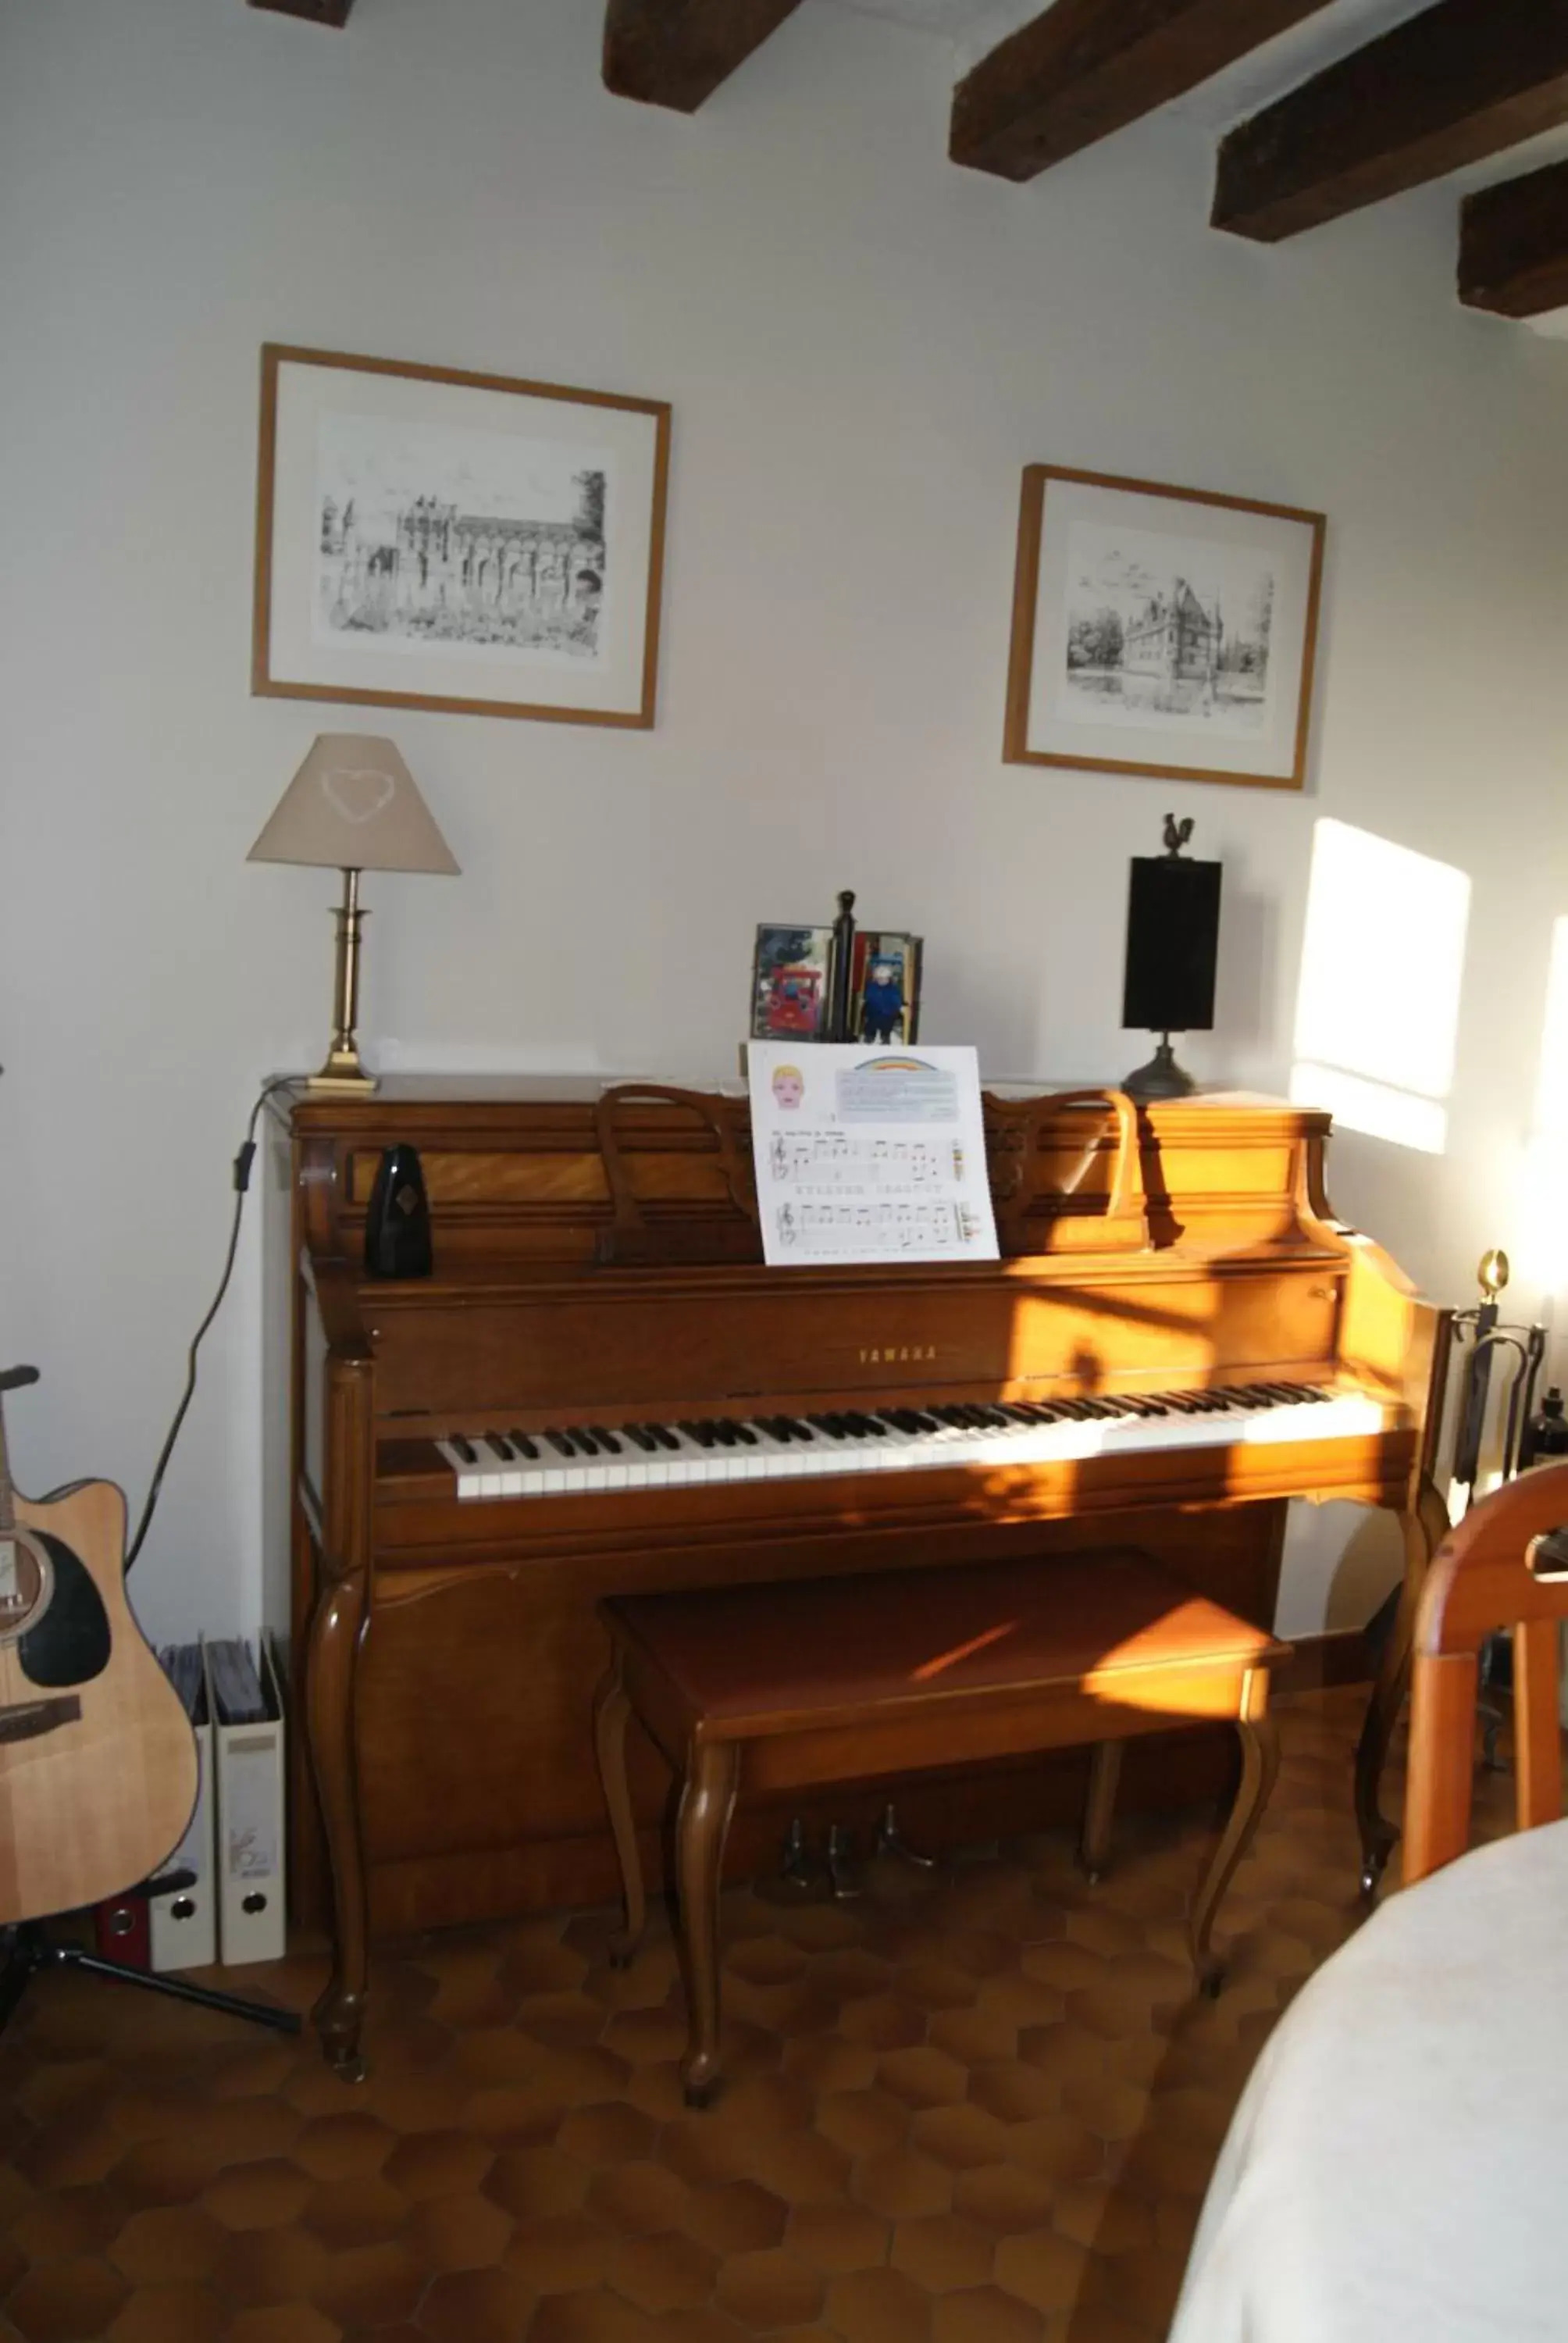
863,346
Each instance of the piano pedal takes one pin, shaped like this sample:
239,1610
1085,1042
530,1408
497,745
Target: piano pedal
843,1879
891,1840
801,1877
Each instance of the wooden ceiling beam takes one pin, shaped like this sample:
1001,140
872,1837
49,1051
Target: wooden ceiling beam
675,53
1464,80
318,12
1087,67
1514,245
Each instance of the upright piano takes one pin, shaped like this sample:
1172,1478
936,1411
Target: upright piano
601,1389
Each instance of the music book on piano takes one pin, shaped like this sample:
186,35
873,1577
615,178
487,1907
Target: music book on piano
869,1154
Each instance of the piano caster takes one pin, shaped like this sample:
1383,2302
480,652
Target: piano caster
891,1840
842,1884
1374,1861
699,2078
351,2068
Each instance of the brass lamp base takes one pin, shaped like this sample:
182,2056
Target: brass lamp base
344,1075
343,1072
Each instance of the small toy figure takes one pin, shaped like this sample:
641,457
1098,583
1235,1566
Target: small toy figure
882,1003
788,1086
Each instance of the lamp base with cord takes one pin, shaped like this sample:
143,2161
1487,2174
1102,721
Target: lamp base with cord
1161,1077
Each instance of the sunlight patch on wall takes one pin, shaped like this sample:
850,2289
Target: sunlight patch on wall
1377,1012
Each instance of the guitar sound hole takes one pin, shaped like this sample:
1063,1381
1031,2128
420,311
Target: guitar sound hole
23,1582
70,1644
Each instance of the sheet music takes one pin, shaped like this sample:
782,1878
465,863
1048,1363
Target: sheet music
869,1154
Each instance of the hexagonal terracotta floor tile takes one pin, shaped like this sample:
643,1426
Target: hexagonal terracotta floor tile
977,2106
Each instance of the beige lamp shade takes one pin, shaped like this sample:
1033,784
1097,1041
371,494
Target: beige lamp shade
353,805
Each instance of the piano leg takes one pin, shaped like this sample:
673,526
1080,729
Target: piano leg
331,1667
1260,1766
611,1708
707,1802
1425,1526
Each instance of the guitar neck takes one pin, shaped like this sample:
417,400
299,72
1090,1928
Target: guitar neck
7,1494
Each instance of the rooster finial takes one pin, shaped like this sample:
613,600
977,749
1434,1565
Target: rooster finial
1177,833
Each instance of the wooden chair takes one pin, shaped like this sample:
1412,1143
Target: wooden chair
1482,1580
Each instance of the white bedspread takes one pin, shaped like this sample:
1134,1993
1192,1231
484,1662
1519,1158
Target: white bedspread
1398,2164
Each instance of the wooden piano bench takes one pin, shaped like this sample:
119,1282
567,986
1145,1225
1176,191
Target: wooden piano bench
791,1685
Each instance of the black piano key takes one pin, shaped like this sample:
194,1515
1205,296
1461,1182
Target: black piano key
523,1444
665,1435
609,1440
826,1423
559,1442
866,1427
745,1435
457,1441
583,1440
496,1443
702,1434
724,1432
641,1437
799,1429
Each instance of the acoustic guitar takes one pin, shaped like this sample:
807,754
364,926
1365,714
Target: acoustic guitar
97,1758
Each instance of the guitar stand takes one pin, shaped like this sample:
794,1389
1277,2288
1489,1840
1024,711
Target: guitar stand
24,1950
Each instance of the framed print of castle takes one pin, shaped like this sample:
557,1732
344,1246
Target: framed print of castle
431,539
1162,631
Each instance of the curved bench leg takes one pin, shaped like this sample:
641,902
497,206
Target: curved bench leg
707,1802
1260,1737
611,1710
1099,1807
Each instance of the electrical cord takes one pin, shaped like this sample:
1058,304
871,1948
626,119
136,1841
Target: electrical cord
242,1168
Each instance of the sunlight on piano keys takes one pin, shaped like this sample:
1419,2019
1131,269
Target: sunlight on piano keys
1377,1011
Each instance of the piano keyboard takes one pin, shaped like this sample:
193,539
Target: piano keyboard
574,1459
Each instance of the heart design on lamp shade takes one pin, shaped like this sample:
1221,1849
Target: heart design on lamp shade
360,792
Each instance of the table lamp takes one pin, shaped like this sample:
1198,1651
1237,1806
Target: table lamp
352,807
1173,947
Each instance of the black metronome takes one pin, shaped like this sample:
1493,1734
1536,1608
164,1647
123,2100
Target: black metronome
1173,945
398,1224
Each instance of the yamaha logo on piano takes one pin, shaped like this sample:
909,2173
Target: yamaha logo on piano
890,1351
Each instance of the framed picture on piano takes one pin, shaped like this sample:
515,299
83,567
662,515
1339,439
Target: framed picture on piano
1164,631
432,538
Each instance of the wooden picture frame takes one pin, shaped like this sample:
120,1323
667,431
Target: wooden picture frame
1161,631
427,537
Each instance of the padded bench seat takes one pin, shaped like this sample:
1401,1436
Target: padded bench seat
789,1686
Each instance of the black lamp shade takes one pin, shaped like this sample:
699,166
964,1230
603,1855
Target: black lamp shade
1173,944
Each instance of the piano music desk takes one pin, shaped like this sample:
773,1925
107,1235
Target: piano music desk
792,1685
